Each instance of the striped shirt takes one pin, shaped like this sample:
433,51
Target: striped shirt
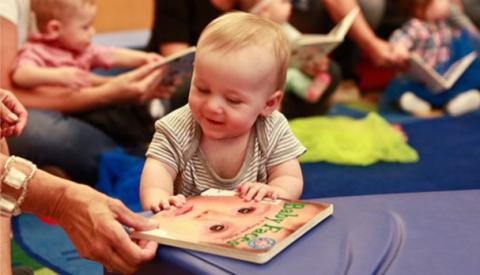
176,143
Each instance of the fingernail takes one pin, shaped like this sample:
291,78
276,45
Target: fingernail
13,116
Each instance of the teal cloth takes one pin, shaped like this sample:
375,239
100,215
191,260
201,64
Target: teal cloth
344,140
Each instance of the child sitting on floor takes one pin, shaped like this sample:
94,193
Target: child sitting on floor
308,82
61,53
439,41
230,135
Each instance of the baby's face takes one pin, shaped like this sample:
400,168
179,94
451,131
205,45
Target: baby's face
437,10
77,31
230,90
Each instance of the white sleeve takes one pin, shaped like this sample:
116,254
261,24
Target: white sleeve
9,10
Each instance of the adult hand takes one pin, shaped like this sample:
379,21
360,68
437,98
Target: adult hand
13,116
140,84
93,221
381,54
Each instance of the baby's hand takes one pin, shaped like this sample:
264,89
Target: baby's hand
73,77
256,191
166,202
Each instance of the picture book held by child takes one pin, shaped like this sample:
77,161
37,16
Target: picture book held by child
61,52
230,136
444,68
307,76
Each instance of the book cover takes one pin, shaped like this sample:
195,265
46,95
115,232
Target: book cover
178,65
231,227
423,73
307,47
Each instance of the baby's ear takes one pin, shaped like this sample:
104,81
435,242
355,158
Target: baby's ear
272,103
53,29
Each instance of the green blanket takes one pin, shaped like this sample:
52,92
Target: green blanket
344,140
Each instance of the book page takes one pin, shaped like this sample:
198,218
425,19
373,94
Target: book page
458,68
341,29
178,65
422,72
312,46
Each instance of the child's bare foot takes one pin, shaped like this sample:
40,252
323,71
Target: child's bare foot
318,86
433,113
399,130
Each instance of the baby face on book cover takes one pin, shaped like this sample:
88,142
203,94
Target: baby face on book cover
233,222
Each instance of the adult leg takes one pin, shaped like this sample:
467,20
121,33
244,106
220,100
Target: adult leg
129,125
51,138
293,106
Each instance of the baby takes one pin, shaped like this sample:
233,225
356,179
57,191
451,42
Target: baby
61,53
431,33
308,82
230,135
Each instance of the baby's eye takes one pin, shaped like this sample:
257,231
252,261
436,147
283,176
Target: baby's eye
217,227
234,101
246,210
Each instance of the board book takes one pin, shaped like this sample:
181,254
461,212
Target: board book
178,65
311,46
231,227
423,73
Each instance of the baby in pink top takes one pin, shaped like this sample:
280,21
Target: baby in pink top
61,54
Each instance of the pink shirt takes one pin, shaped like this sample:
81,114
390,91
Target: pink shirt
43,53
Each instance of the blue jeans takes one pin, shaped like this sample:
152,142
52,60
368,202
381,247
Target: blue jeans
52,138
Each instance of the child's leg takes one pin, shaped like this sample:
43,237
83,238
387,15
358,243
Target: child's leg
411,103
297,82
464,103
318,86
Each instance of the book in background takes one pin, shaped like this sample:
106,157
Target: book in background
308,47
178,65
436,82
231,227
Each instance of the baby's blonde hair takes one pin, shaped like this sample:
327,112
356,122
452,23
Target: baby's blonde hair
46,10
237,30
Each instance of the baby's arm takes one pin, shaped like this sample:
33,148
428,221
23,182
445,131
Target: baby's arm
284,181
128,58
156,186
29,76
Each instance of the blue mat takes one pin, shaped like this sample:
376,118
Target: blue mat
49,245
449,159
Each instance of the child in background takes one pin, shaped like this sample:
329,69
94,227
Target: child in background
230,135
308,82
431,35
61,54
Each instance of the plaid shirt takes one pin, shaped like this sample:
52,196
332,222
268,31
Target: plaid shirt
431,41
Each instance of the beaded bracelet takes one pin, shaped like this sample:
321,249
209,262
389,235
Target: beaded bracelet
16,179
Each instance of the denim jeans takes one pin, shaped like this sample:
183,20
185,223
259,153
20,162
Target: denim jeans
52,138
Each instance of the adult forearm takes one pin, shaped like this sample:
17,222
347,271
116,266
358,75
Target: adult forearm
360,32
65,99
41,188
